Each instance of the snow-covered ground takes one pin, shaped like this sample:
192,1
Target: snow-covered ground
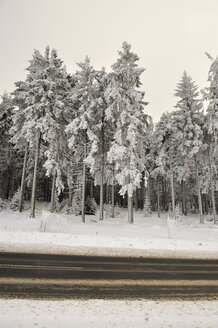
107,314
66,233
147,236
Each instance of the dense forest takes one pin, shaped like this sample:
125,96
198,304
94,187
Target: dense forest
84,140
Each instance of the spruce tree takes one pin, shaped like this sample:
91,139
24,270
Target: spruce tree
125,111
83,95
211,129
165,136
40,102
7,154
189,120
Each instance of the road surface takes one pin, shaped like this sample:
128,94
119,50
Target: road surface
65,277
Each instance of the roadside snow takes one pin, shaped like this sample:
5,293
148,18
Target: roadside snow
50,232
107,314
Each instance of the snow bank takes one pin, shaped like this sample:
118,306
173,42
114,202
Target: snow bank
107,314
66,233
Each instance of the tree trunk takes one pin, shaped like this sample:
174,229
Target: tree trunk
91,188
136,199
69,182
101,212
112,197
53,192
130,210
158,197
142,191
33,200
20,207
107,193
172,186
84,186
199,193
212,188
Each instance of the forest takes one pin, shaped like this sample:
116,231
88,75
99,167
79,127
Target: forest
83,140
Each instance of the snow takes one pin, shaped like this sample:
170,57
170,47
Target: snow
66,233
105,313
60,233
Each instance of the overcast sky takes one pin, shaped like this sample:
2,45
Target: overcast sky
169,36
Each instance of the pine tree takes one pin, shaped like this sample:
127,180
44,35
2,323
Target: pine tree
90,207
2,204
83,95
14,204
37,124
30,98
125,111
54,129
211,129
7,154
189,119
100,135
165,137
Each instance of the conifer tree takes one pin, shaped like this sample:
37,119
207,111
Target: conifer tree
53,133
100,135
7,153
211,129
83,96
125,110
165,141
189,120
39,101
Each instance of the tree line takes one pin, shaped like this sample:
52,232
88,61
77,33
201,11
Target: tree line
85,138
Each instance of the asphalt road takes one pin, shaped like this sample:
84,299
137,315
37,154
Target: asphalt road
63,276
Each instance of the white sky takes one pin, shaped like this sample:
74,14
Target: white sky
169,36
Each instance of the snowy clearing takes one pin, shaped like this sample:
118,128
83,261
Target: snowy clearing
53,233
101,313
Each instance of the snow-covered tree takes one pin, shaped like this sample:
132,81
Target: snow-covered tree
100,135
125,111
90,207
2,204
30,99
39,119
14,204
83,96
53,133
189,120
7,154
211,129
165,137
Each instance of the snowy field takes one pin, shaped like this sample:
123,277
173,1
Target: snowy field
66,233
108,314
148,236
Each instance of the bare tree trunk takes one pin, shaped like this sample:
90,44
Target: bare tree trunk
101,212
158,197
107,193
84,186
33,200
172,186
22,187
112,196
142,191
136,199
53,192
199,193
69,182
91,188
130,210
212,188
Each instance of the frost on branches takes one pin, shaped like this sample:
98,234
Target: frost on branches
125,111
